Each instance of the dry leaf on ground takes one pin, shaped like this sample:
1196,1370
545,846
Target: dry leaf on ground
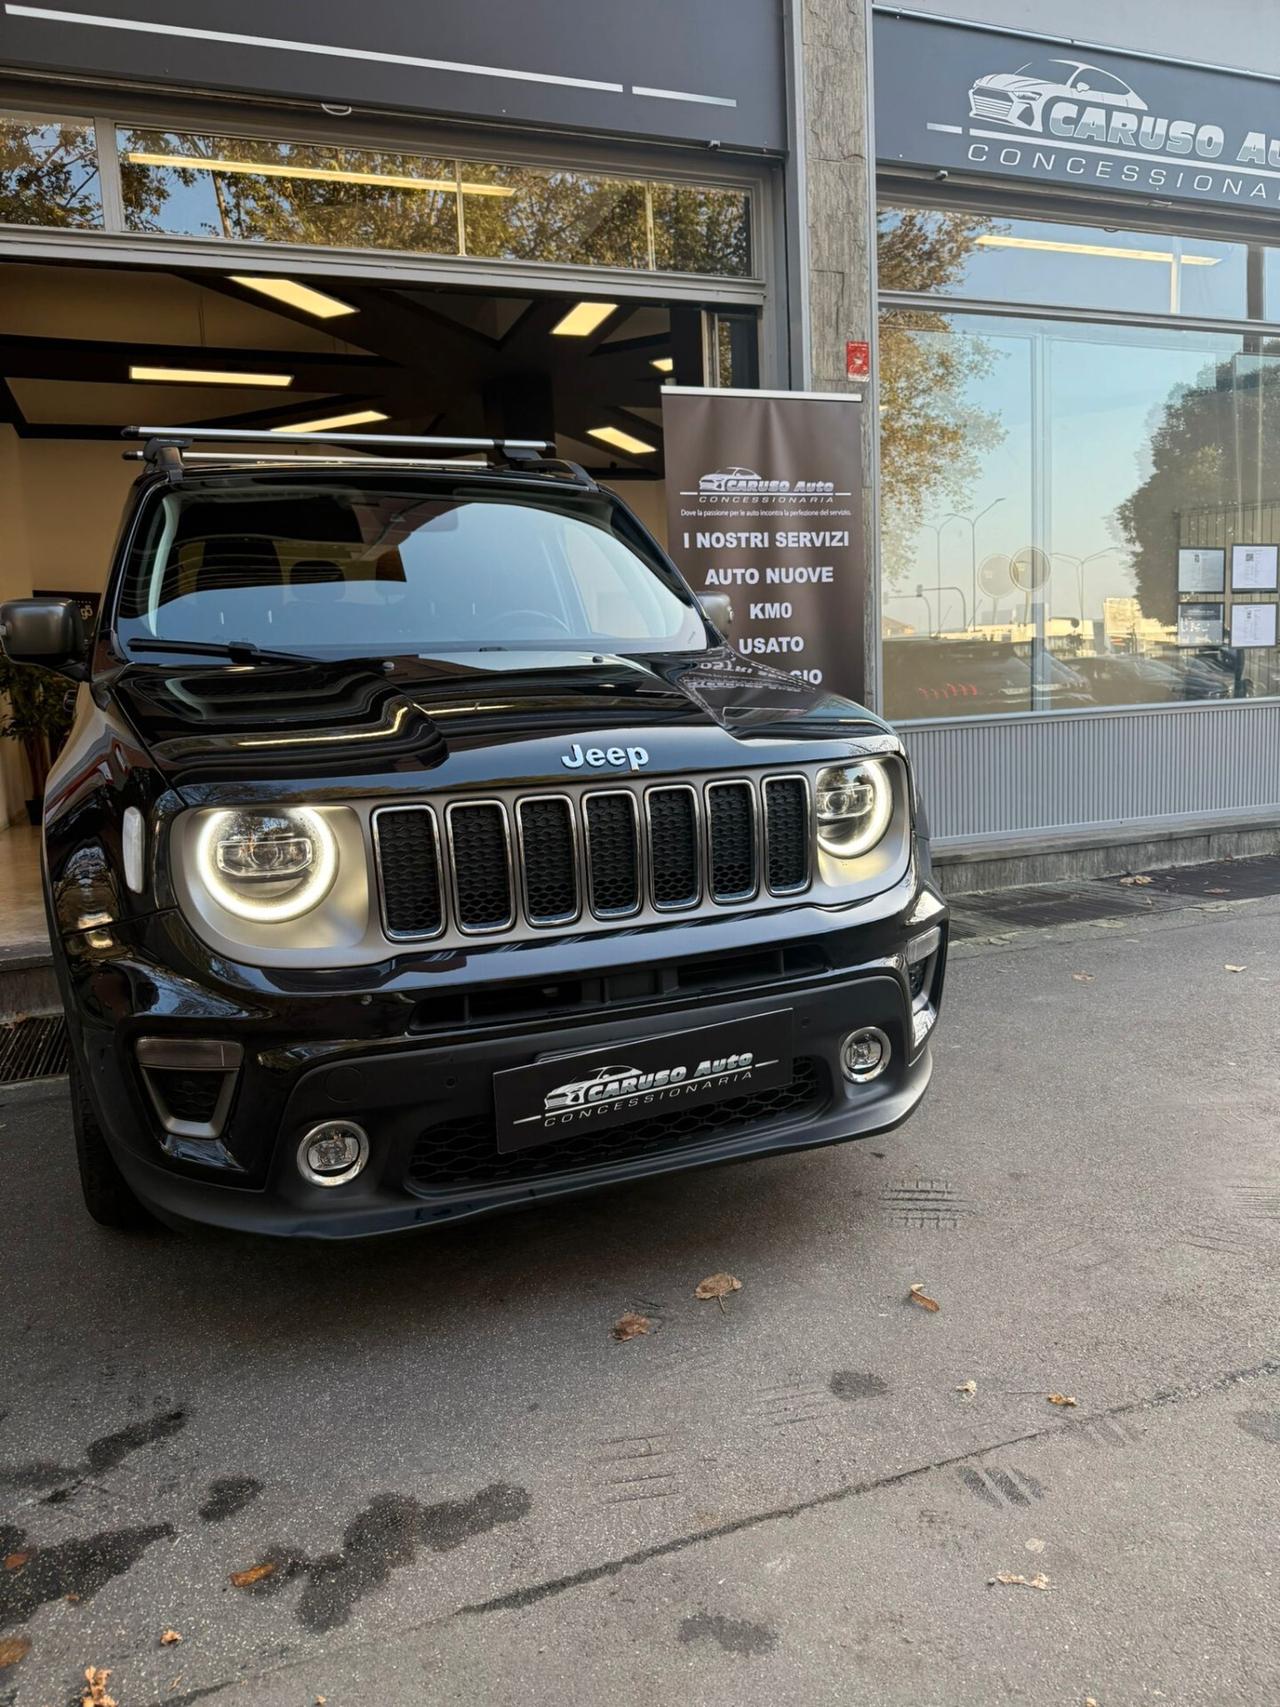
918,1295
1089,1701
1061,1399
255,1574
13,1649
969,1389
1139,882
96,1677
15,1561
1217,892
170,1638
628,1326
1037,1581
1083,977
1229,968
717,1285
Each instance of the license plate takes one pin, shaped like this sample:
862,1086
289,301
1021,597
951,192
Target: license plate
600,1088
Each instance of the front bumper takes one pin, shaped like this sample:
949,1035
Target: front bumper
409,1049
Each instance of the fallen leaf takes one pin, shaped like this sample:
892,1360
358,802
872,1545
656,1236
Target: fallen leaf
1139,882
1229,968
917,1295
255,1574
1083,977
13,1649
1061,1399
1217,892
1089,1701
96,1677
73,1598
320,1700
628,1326
1037,1581
170,1638
969,1389
15,1561
717,1286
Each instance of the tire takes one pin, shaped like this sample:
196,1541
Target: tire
107,1196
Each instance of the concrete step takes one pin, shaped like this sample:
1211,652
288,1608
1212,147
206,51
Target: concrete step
27,983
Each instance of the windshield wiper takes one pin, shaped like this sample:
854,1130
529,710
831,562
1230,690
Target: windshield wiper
243,652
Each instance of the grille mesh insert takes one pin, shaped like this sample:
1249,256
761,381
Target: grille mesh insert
733,852
550,874
673,846
613,854
787,823
412,901
481,874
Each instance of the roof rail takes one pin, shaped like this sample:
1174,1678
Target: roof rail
164,447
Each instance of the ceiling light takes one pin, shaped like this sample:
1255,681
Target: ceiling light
295,295
1115,252
664,364
331,423
206,376
581,321
325,174
621,441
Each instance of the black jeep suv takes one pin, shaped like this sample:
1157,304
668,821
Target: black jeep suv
420,849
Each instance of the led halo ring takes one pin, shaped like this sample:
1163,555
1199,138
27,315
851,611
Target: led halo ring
873,832
309,893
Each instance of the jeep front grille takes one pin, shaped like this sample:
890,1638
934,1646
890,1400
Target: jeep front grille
588,857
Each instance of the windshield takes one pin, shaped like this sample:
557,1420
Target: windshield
337,569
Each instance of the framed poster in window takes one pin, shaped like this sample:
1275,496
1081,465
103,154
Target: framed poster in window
1200,624
1201,569
1253,625
1253,568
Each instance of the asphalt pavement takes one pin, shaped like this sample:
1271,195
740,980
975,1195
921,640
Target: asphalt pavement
437,1477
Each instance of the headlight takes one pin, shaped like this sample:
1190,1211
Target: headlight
268,866
855,806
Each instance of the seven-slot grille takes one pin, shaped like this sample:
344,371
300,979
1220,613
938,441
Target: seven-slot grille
481,867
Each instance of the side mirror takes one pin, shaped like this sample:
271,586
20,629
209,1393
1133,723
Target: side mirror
44,631
718,610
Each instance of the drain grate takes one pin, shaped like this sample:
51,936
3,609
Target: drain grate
33,1049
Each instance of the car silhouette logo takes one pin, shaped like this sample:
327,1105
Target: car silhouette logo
730,480
578,1091
1019,98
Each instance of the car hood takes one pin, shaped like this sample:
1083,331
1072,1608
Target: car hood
1015,83
458,720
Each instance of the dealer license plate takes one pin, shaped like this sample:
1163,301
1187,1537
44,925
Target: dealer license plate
566,1095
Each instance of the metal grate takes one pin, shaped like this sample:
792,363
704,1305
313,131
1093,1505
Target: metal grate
464,1153
786,807
548,859
731,811
481,865
613,854
409,864
33,1049
673,846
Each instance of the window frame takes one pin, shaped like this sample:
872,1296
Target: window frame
903,190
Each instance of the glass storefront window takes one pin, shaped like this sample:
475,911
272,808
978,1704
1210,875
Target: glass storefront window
1076,515
250,188
49,173
556,216
953,252
281,192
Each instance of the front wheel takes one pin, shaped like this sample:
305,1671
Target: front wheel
107,1196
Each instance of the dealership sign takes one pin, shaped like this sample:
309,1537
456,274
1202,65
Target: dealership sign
969,100
710,72
764,504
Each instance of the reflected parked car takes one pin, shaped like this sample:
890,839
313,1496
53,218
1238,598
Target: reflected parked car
926,677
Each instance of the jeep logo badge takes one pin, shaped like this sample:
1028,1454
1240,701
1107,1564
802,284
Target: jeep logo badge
598,757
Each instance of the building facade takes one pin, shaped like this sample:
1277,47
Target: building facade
1079,399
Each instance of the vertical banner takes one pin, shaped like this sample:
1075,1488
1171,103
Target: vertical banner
764,503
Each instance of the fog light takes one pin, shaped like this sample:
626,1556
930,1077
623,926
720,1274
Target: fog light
865,1053
333,1152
